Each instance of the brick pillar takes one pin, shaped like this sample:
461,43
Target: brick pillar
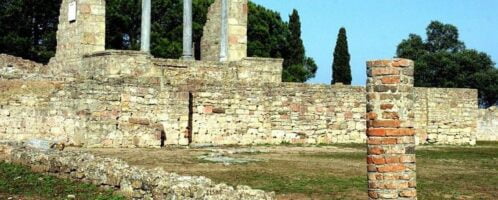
391,136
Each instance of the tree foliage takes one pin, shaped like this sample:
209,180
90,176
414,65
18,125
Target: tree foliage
341,69
28,28
444,61
270,36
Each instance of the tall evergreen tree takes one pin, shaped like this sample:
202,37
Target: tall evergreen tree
297,67
341,69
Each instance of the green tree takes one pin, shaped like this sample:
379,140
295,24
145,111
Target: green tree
341,69
443,61
270,36
28,28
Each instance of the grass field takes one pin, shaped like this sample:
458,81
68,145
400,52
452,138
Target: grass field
17,182
293,172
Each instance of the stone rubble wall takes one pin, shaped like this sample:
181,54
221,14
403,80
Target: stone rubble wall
12,67
130,181
446,116
278,113
104,113
149,111
487,128
248,70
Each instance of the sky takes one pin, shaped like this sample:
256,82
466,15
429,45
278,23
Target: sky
376,27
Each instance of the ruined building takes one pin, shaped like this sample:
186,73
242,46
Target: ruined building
94,97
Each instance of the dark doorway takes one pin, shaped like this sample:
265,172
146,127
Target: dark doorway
190,116
163,138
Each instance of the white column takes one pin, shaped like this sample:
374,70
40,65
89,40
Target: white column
145,29
187,30
224,31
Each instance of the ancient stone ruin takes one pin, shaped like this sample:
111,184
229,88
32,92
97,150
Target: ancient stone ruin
92,97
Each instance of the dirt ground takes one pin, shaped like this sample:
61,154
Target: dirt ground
322,172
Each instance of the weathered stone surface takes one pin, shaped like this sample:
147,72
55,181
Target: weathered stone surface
237,31
487,128
134,182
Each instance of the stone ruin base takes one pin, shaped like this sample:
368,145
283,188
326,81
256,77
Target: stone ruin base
132,182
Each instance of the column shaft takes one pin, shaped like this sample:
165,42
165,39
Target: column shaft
224,31
145,28
391,136
187,30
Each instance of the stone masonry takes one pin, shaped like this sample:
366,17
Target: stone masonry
132,182
84,36
94,98
488,124
391,133
237,31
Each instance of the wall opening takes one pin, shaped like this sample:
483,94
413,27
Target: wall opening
190,116
163,138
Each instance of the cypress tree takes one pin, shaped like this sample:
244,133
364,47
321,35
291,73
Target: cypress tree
341,69
295,57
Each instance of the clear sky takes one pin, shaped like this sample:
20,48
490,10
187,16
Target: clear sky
376,27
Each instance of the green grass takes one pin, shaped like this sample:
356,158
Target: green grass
443,172
20,181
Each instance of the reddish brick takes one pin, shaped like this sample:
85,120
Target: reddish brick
390,80
392,159
402,63
391,168
375,150
385,71
375,141
208,109
371,116
378,160
385,123
400,132
376,132
386,106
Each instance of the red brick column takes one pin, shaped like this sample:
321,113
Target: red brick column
391,136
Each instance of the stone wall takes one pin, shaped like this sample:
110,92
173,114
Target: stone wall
487,128
86,35
278,113
237,31
248,70
12,67
446,116
130,181
155,111
104,113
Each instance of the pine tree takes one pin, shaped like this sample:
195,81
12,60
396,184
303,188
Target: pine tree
341,69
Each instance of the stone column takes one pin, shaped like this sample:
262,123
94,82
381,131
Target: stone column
145,29
187,30
391,136
224,31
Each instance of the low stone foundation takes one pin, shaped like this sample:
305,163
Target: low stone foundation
133,182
